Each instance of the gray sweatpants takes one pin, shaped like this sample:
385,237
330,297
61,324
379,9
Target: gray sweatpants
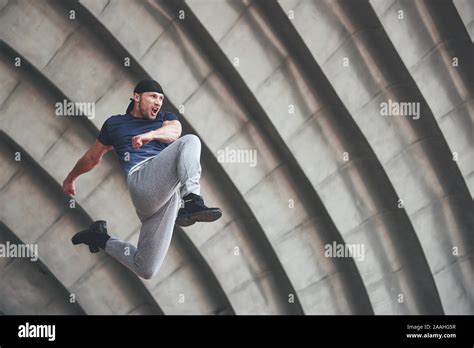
156,187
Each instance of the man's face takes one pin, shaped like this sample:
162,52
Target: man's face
149,104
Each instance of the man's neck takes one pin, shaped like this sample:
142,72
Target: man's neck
136,114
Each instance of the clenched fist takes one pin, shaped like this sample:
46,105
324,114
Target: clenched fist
69,186
142,139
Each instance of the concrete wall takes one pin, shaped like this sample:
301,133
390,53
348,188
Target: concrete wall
263,76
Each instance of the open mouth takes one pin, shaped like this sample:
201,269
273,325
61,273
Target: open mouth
154,111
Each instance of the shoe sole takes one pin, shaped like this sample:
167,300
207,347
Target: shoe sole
92,249
205,216
184,222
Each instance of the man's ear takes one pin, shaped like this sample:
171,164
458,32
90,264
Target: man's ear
136,97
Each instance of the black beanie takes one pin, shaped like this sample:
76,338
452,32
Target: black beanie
142,87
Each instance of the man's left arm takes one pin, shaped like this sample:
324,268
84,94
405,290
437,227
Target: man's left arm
167,133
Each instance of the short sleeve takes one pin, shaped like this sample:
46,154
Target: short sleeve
169,116
104,136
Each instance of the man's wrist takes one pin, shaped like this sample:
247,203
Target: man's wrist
70,177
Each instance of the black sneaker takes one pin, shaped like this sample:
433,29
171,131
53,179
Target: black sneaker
95,237
195,211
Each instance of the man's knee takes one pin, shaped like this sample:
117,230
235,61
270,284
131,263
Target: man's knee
147,273
146,269
191,140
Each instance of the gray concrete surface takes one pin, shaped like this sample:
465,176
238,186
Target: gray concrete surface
300,196
427,40
465,9
41,292
284,84
413,152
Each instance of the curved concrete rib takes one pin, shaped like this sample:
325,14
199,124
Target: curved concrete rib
276,123
282,73
77,132
465,9
28,286
413,151
25,186
257,274
428,38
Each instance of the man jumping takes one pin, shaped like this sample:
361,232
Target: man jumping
160,168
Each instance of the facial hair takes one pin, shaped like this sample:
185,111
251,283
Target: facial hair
143,112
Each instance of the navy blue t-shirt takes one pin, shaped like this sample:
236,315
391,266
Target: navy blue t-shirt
119,130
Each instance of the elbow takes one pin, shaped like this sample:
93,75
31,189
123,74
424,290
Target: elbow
170,139
174,135
178,132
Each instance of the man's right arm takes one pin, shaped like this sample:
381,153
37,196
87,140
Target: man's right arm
91,158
